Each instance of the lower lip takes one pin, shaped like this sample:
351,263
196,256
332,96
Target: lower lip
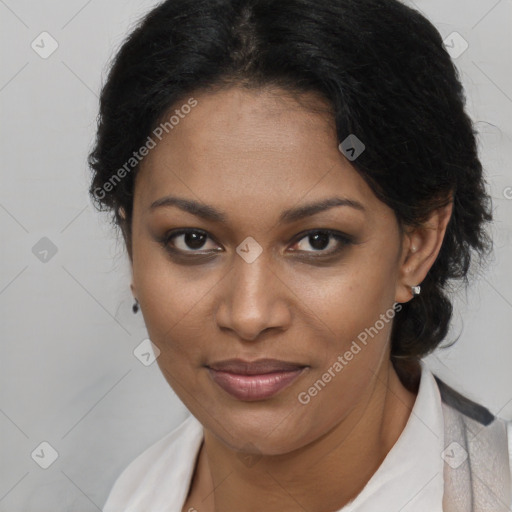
254,387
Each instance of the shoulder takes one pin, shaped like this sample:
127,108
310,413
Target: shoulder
475,419
478,449
170,458
464,405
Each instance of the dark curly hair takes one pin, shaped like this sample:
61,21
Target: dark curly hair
380,65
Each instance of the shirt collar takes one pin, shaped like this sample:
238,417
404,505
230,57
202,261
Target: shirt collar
411,476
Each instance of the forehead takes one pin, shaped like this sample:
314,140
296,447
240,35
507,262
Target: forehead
250,147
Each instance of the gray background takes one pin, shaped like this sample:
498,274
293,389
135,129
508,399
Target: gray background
68,373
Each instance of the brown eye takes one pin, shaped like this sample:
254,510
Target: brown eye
323,241
186,240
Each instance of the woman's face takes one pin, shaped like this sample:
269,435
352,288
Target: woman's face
247,284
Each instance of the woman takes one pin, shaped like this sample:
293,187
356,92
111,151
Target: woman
298,184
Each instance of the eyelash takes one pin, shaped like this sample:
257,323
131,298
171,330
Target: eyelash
342,239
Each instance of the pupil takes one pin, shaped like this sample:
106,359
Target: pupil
322,237
194,240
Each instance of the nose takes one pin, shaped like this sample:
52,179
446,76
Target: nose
253,299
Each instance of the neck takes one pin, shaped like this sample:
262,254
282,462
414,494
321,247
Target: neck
334,467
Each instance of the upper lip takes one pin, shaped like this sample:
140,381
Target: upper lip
258,367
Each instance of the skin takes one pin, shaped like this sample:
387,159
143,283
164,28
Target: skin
251,155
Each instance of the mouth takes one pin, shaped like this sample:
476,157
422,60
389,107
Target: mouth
256,380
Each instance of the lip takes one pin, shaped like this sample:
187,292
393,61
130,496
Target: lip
256,380
257,367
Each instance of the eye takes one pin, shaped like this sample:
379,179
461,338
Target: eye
186,240
193,242
322,239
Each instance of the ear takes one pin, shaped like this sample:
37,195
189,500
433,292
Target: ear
420,247
122,215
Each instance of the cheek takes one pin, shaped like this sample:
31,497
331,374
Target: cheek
173,302
174,316
350,297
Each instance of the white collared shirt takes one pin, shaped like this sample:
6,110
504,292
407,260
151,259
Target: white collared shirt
410,479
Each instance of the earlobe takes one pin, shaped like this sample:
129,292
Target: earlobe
136,306
422,246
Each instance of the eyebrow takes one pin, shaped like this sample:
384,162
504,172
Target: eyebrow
210,213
